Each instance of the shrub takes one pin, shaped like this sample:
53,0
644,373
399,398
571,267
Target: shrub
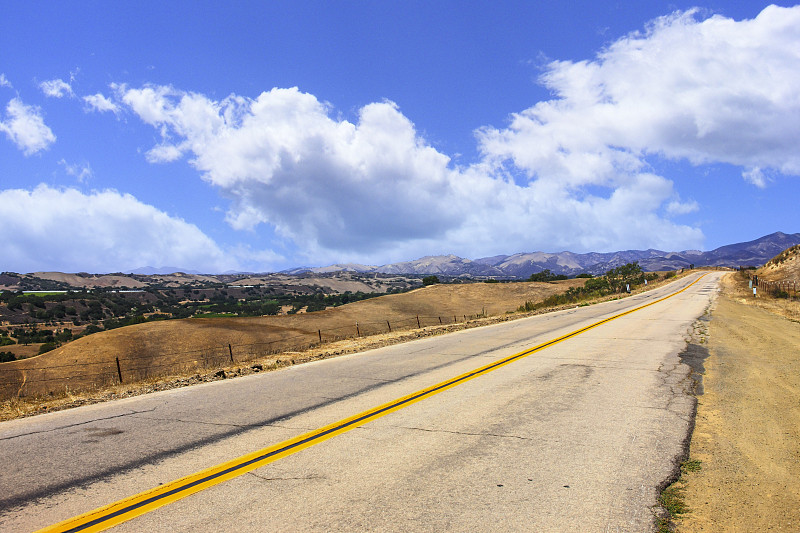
92,328
315,306
546,275
596,284
46,347
627,274
430,280
5,357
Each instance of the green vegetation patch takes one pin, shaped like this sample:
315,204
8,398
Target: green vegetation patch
673,498
616,280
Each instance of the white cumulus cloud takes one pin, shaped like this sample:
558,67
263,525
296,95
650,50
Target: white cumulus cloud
4,81
375,187
710,91
756,177
682,208
100,103
571,170
25,127
103,231
57,88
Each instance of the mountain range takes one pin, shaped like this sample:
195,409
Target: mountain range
522,265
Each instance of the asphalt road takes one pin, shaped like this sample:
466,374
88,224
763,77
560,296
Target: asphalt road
575,437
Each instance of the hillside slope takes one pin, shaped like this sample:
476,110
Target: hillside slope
783,267
158,348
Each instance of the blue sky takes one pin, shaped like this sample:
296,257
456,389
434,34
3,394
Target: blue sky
260,136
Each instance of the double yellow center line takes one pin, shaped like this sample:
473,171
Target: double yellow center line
124,510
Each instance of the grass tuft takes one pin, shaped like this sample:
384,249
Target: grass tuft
672,499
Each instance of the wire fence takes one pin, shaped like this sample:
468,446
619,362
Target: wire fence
27,377
787,287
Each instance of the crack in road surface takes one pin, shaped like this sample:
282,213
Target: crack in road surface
76,424
465,433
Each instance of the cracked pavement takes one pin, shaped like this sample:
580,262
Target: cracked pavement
577,437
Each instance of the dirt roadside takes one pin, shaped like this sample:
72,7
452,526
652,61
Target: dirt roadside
747,431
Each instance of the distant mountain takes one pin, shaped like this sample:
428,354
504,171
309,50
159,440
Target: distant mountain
522,265
347,267
161,271
448,265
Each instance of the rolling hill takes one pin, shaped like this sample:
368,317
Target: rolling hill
164,347
783,267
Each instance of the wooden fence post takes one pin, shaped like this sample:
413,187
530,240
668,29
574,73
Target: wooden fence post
418,322
319,332
119,371
230,351
390,326
358,331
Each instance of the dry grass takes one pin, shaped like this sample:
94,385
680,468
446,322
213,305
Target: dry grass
197,344
499,300
783,267
735,285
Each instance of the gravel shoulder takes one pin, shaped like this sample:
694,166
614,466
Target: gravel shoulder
747,431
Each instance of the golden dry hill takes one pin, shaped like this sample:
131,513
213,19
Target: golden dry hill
783,267
176,346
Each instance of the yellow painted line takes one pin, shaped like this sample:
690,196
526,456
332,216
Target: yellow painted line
124,510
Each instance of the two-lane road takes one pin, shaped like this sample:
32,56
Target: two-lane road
576,436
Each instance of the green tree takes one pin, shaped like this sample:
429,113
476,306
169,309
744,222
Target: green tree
546,275
6,341
627,274
430,280
46,347
600,285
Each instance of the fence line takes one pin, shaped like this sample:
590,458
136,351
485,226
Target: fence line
787,286
131,369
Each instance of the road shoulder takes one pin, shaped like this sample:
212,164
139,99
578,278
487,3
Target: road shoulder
747,430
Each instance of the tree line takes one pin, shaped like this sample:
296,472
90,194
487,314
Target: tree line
620,279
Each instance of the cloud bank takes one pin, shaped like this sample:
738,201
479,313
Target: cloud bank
572,170
716,91
577,169
97,232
